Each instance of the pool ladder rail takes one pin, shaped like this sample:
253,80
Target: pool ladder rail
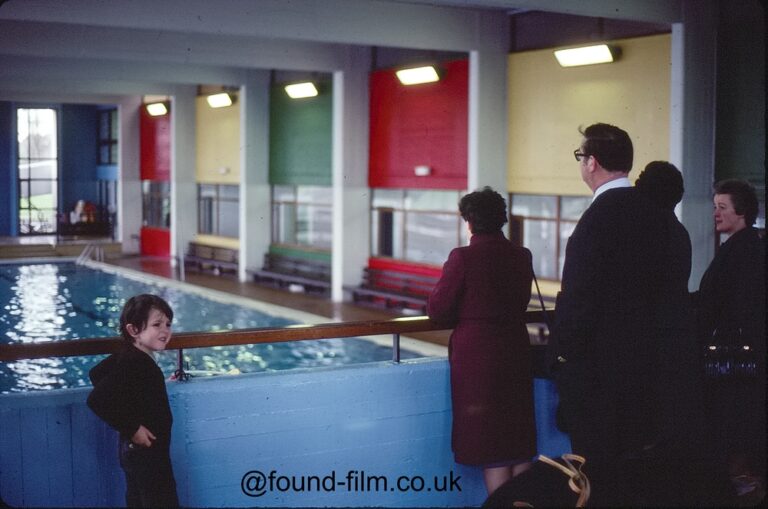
91,252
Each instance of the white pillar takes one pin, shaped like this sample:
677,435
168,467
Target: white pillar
692,124
254,172
129,182
350,247
487,154
183,174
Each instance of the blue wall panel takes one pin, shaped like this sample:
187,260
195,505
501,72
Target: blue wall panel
7,170
79,145
375,419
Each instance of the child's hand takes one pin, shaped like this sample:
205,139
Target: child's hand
143,437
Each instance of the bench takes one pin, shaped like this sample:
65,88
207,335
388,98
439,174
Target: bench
282,271
217,260
393,289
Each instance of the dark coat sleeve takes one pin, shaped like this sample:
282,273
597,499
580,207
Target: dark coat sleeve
443,303
112,399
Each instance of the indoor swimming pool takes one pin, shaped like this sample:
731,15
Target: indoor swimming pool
64,301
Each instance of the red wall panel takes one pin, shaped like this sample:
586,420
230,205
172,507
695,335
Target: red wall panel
155,140
155,241
419,125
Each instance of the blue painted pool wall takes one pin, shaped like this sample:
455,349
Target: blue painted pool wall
381,419
7,170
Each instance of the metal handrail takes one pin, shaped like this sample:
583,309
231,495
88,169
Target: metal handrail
96,346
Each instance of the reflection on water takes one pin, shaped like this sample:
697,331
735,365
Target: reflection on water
57,302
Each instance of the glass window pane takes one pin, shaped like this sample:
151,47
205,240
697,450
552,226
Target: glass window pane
42,133
284,193
432,200
104,154
104,126
229,218
430,237
574,206
43,169
314,226
205,216
285,220
22,127
389,198
566,230
230,193
113,125
207,191
315,194
24,169
529,205
43,193
541,238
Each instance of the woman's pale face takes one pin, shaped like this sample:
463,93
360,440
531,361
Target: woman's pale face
726,218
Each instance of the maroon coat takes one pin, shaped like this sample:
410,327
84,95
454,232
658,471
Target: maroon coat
483,294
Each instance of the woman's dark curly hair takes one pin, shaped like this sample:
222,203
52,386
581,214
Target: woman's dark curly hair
743,196
484,210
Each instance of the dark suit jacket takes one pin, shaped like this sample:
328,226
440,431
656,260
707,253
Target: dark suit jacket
623,296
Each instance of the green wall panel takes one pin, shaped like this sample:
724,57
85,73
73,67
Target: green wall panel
300,138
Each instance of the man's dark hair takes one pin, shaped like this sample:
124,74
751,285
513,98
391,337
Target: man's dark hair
662,183
743,196
610,145
484,210
136,312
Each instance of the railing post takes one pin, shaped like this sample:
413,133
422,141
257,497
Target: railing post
180,375
396,348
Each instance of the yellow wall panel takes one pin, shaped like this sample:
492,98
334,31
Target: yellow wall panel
218,144
547,104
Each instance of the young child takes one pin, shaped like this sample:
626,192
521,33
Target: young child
129,394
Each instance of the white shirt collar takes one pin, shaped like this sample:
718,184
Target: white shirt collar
611,184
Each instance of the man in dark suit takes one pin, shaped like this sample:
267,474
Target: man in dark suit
605,342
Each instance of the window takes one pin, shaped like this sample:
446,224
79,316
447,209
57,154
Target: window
108,136
302,216
156,204
218,210
416,225
38,169
543,224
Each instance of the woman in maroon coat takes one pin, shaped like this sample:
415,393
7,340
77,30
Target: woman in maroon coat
483,294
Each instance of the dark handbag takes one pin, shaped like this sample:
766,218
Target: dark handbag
729,355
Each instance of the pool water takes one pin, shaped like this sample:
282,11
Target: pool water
63,301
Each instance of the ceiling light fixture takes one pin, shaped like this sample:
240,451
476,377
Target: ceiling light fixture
587,55
301,90
417,75
157,109
220,100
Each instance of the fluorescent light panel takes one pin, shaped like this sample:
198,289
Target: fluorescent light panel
301,90
416,75
586,55
157,109
220,100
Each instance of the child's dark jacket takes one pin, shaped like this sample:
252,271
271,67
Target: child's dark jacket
129,391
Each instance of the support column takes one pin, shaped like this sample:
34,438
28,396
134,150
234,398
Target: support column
183,174
487,165
254,171
349,161
692,125
129,183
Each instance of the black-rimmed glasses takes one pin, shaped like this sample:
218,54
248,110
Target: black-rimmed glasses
578,155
